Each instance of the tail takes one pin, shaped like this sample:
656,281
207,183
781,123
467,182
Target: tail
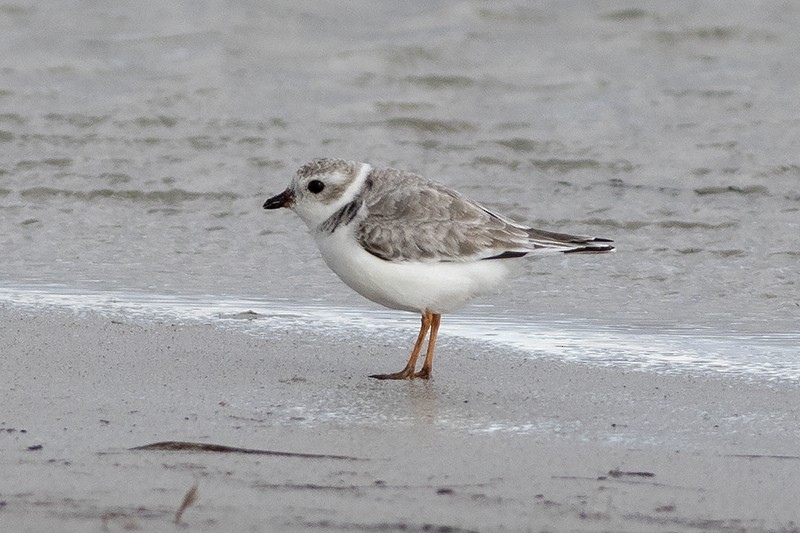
568,244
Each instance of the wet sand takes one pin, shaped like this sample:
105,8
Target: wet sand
495,442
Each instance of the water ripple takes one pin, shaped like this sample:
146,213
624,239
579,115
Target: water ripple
170,196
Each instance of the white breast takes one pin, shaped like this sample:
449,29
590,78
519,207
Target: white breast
441,287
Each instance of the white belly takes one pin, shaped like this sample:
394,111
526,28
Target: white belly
409,286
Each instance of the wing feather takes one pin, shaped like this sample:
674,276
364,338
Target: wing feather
409,218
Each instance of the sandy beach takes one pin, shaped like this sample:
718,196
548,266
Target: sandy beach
495,442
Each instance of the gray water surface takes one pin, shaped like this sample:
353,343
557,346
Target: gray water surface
139,140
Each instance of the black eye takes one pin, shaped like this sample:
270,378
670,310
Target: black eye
315,186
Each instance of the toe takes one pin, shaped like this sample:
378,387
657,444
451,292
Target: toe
403,374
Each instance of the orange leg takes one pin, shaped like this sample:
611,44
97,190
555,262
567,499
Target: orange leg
427,366
408,371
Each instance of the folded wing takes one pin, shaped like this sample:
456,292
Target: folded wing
420,220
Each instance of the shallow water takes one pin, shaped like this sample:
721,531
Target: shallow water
138,142
771,357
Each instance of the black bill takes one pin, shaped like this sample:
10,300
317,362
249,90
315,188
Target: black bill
284,199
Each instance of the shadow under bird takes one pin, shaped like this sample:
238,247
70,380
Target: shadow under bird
412,244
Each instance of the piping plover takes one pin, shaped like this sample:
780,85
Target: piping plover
412,244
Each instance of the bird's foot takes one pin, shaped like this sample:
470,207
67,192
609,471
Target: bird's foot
424,373
406,373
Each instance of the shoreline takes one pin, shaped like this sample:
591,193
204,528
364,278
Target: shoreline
494,442
703,350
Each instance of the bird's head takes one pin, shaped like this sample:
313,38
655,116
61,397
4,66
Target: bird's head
320,188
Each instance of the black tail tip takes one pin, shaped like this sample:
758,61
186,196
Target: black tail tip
593,248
